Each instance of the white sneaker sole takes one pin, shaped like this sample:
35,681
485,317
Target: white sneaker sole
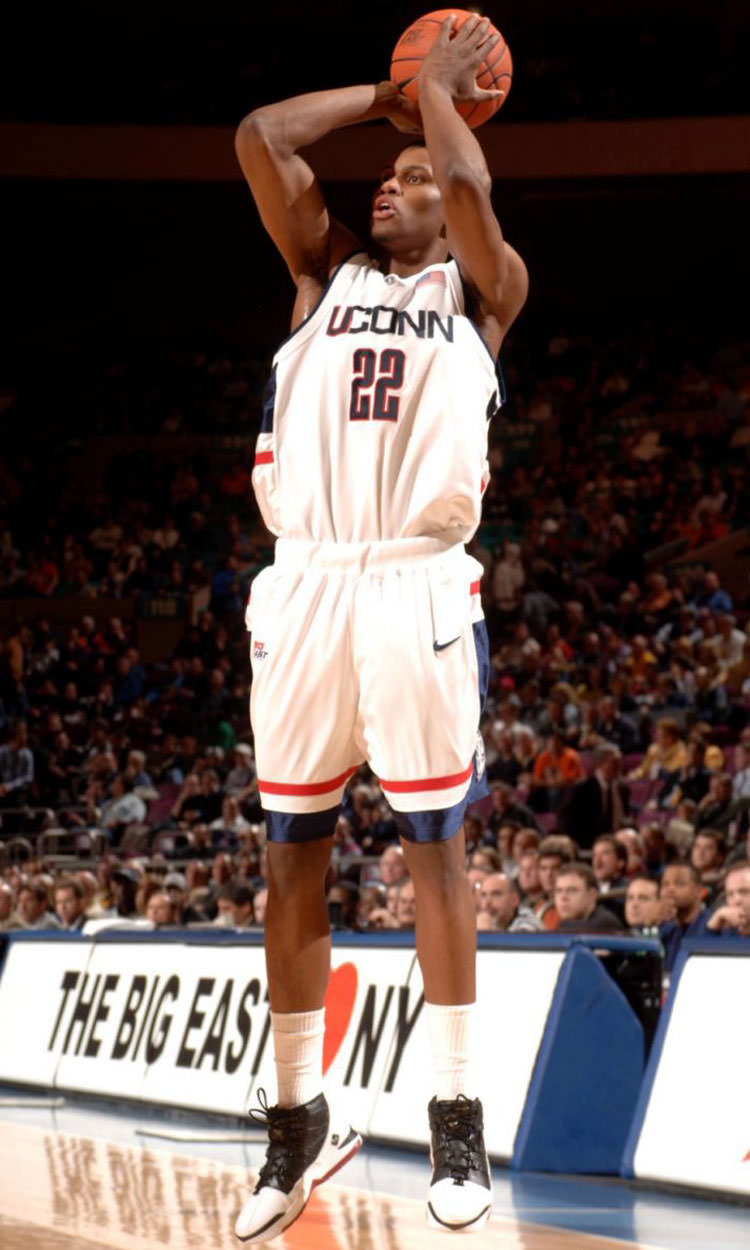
329,1161
469,1226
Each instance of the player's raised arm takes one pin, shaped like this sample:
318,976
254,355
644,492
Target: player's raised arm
475,239
285,188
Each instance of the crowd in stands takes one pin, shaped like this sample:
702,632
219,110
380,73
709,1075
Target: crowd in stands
617,726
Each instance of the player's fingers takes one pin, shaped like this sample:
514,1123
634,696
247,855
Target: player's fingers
474,31
488,43
446,29
481,94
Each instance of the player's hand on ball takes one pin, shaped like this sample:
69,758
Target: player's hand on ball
454,59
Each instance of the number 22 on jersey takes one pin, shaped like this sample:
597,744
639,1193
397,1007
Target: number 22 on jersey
377,378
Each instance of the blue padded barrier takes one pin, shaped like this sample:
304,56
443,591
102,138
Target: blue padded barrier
588,1072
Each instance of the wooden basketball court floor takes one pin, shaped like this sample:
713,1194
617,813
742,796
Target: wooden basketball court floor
73,1177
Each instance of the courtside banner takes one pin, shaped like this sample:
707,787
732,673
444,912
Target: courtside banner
182,1019
692,1126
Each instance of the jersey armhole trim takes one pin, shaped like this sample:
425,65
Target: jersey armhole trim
335,273
469,303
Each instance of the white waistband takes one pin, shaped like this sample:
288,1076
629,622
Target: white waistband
357,557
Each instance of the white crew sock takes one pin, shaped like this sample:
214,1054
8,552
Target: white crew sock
298,1051
450,1030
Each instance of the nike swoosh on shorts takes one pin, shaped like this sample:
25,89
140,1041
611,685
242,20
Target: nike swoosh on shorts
440,646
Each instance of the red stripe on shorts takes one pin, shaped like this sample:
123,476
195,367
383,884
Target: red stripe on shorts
428,783
474,588
263,457
316,787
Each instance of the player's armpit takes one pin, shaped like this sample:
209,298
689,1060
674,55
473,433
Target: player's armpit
494,323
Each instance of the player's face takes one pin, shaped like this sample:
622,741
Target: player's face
406,208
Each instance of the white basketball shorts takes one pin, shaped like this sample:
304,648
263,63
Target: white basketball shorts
370,652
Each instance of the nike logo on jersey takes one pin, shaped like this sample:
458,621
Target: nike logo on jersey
440,646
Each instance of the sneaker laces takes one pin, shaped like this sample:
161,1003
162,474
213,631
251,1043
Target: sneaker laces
287,1127
459,1148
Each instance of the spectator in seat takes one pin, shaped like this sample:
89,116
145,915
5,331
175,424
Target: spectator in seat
175,885
70,904
125,883
598,805
612,726
230,825
400,909
729,644
161,910
556,767
609,860
710,698
692,781
554,852
667,753
123,808
741,779
708,854
712,595
371,897
486,859
342,901
524,840
234,906
529,881
240,782
393,866
8,919
632,840
642,906
682,911
501,909
32,907
16,768
506,806
733,915
576,900
719,808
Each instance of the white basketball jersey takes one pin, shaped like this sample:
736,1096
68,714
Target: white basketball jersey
375,417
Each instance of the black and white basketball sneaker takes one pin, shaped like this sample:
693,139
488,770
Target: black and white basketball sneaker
305,1147
460,1194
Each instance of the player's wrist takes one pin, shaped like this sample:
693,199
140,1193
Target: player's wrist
433,83
386,100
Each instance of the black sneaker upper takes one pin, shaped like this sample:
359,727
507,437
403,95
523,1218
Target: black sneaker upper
456,1128
295,1138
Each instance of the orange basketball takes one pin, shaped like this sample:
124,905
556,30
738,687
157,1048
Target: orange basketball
494,74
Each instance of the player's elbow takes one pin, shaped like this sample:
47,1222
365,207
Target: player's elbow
252,132
467,183
257,132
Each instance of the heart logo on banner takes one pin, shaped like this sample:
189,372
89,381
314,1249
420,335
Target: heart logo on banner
339,1005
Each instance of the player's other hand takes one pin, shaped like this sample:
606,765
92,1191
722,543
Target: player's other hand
403,113
455,57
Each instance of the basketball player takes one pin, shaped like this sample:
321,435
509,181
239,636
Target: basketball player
367,637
